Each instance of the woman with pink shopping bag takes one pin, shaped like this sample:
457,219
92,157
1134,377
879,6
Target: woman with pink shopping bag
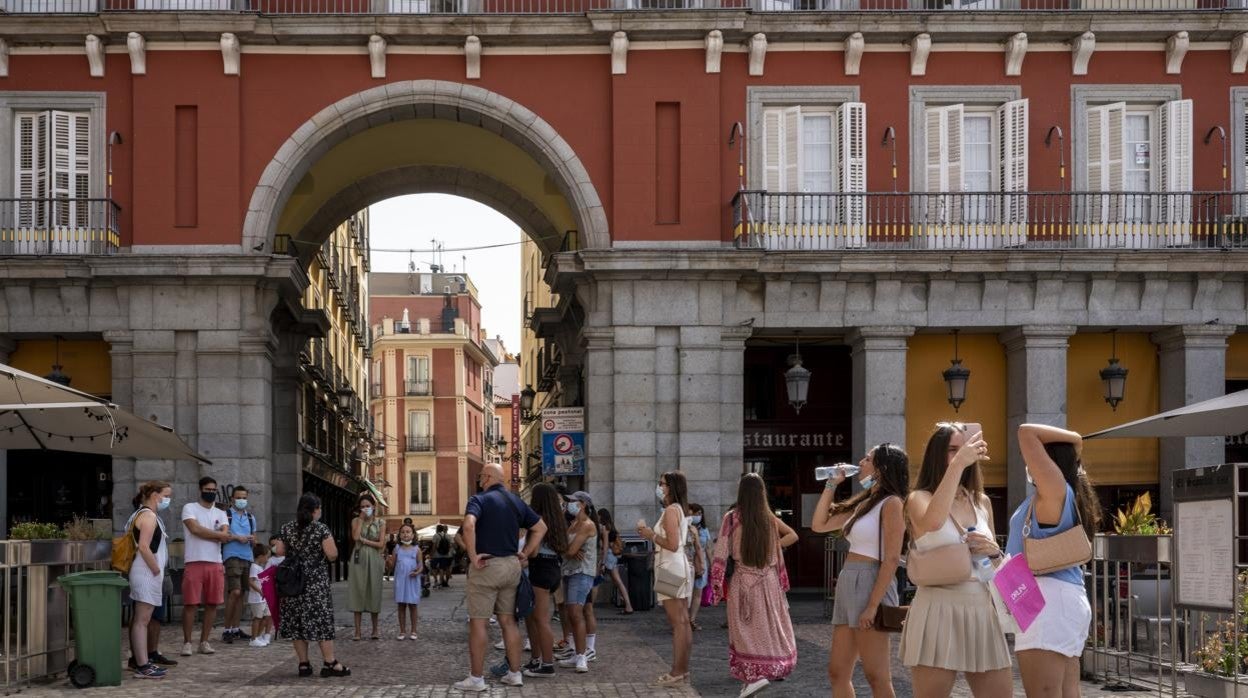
1048,525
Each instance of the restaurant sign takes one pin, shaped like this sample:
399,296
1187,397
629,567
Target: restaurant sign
797,440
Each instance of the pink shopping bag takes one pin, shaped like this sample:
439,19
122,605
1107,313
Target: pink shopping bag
1019,591
268,587
708,596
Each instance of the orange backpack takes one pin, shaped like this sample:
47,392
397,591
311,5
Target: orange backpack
125,549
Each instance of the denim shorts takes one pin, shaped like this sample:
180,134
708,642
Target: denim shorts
576,588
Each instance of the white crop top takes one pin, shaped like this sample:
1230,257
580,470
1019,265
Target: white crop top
864,535
948,534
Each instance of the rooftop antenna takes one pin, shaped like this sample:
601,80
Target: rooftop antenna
435,266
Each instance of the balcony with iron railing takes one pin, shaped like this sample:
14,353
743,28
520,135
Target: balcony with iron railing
420,387
419,444
58,226
581,7
994,220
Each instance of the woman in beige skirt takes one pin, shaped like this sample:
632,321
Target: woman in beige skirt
954,628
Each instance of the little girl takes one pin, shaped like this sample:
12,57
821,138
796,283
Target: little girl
408,566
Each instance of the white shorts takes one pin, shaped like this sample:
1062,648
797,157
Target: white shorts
259,610
1062,626
146,587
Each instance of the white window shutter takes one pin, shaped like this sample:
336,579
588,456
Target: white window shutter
791,160
937,175
31,167
1012,120
852,160
773,137
1106,126
1174,135
70,166
953,149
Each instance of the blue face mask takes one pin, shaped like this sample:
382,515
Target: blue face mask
658,492
164,503
574,508
695,519
240,503
868,482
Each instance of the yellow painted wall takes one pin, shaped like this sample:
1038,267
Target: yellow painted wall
86,362
1237,357
1113,461
927,356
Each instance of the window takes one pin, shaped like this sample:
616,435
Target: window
418,435
53,168
418,382
420,497
813,156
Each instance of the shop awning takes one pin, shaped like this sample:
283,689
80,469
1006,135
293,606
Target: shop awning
1221,416
376,492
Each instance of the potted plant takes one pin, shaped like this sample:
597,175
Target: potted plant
1139,536
1223,656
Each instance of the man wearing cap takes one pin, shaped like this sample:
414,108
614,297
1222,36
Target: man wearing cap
492,523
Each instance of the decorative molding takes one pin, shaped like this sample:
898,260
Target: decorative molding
758,98
472,57
136,45
1083,96
231,54
714,50
758,53
920,49
377,56
95,55
619,53
1176,49
1081,50
1015,52
924,96
855,45
4,58
1239,53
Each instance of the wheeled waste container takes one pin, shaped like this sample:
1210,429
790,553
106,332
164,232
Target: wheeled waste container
95,609
638,559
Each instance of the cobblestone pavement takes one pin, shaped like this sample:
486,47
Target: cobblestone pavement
632,651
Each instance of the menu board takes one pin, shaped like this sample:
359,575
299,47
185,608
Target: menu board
1204,544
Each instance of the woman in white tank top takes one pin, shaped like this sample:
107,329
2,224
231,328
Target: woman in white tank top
954,628
872,522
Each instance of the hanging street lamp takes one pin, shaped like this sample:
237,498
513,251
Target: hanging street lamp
797,378
1113,376
956,377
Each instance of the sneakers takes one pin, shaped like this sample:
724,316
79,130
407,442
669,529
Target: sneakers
576,661
500,670
542,671
472,684
752,689
500,645
512,678
590,655
149,671
204,648
160,660
227,636
259,642
402,636
187,649
240,635
533,663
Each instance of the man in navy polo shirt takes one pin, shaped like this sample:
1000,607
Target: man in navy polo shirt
492,523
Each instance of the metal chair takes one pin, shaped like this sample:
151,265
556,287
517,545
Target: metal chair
1151,604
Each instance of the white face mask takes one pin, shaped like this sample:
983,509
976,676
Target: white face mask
574,508
695,519
658,492
367,511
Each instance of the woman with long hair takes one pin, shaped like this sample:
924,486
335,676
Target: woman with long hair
309,617
580,566
1049,650
545,575
669,535
147,572
701,561
874,524
367,567
954,628
611,564
761,645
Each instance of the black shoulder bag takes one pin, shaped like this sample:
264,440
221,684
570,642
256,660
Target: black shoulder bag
524,589
889,619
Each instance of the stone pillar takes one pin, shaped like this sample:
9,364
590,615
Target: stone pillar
7,346
600,416
144,366
879,386
121,358
702,440
1035,357
644,436
731,419
287,480
1192,367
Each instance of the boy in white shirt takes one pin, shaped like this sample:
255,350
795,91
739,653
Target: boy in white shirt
277,552
261,622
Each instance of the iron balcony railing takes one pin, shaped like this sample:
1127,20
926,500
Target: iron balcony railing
419,444
418,387
986,221
578,7
58,226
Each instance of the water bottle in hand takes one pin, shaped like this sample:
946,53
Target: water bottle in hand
825,472
981,566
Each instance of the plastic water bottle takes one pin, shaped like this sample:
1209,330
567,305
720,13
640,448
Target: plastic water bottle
824,472
981,566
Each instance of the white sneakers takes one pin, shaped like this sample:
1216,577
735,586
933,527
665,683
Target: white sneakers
472,684
260,640
204,648
753,689
188,649
512,678
576,661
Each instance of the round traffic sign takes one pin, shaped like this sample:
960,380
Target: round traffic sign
549,425
563,444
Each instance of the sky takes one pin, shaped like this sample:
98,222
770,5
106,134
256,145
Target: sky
413,222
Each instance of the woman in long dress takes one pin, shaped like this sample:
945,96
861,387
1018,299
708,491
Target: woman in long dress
761,646
367,567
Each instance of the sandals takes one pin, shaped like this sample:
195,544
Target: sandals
334,668
694,625
669,680
623,612
305,668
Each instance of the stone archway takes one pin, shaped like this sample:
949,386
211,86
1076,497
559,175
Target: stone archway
424,99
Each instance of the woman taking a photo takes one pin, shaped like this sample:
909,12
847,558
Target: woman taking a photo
953,628
669,536
701,561
1049,650
872,521
545,575
147,572
611,566
309,617
761,646
367,567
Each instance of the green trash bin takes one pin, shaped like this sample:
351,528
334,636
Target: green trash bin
95,604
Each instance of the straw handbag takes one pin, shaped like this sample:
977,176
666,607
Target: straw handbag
947,564
1070,548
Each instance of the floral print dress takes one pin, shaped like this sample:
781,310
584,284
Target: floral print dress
309,616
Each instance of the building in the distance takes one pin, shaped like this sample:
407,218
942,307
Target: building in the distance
506,407
429,399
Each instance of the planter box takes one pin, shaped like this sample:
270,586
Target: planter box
1213,686
1139,549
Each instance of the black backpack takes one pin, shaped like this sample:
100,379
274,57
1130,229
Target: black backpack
289,577
444,544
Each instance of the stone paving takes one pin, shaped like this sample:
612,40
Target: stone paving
632,653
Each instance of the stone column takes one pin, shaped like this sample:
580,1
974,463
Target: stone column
879,386
7,346
287,480
600,415
1192,367
1035,357
121,358
145,366
701,436
644,441
731,418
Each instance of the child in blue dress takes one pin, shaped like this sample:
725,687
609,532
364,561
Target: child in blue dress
409,565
